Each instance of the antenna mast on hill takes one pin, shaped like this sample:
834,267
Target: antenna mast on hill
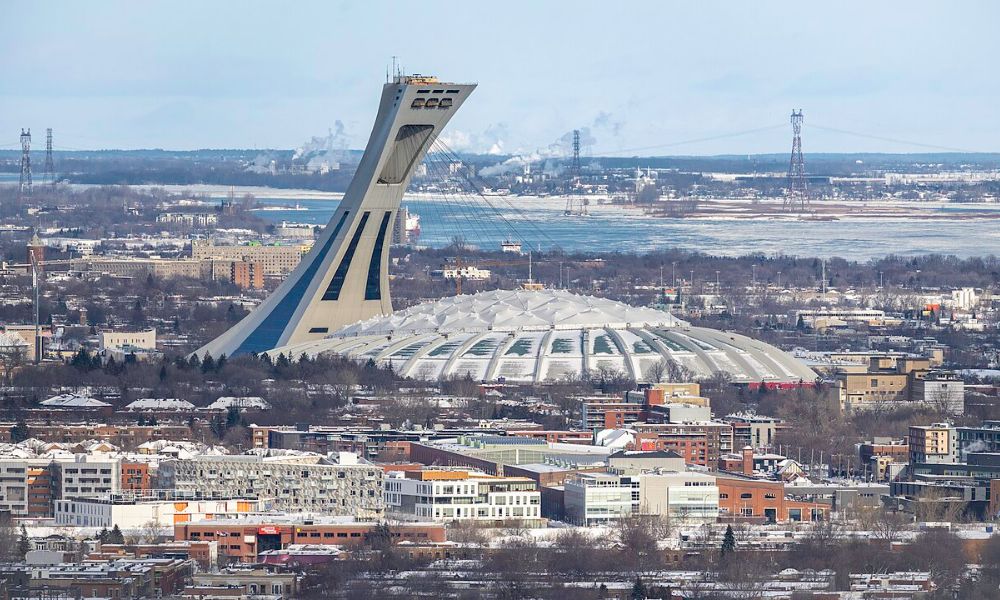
797,187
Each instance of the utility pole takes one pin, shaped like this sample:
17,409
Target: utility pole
24,188
753,275
673,273
823,262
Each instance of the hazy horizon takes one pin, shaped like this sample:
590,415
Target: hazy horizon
649,78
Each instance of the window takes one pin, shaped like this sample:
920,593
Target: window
410,143
746,495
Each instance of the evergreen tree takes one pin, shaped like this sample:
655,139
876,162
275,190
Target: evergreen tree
102,536
208,364
163,373
23,542
232,417
728,542
194,361
19,432
638,590
116,536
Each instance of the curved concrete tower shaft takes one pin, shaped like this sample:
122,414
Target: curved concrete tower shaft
344,277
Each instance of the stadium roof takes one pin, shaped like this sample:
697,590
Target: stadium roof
550,335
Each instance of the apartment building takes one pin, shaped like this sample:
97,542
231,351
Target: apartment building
26,487
88,476
936,443
273,260
700,443
894,380
463,496
308,483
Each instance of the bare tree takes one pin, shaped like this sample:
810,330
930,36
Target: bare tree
886,525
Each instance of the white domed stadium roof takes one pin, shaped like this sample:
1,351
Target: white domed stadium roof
548,335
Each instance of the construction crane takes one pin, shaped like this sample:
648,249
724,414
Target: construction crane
459,264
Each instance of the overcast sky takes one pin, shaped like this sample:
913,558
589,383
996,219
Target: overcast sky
244,74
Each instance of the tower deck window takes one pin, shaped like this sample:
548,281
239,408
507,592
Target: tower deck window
431,103
411,140
417,103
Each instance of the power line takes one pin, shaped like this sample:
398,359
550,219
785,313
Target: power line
889,139
691,141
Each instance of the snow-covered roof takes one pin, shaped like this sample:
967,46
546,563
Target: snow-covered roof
512,310
12,340
73,401
549,335
160,404
241,402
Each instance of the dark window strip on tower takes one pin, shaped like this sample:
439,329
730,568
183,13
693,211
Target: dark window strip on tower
373,288
266,335
333,290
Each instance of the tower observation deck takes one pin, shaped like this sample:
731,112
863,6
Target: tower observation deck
344,278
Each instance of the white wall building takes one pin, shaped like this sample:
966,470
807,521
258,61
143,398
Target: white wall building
129,512
463,496
88,477
679,496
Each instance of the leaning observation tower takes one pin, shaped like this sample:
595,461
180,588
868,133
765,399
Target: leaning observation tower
344,277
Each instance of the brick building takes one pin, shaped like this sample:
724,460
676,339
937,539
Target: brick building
750,499
241,540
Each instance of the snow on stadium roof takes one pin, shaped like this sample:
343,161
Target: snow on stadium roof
549,335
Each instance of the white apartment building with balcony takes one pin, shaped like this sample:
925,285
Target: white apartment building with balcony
463,496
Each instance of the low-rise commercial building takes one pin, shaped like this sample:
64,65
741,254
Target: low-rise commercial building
750,499
242,539
602,498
